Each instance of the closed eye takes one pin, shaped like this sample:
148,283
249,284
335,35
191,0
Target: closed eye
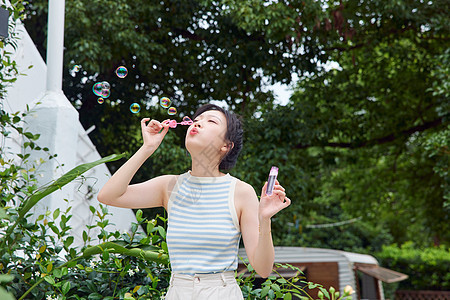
212,121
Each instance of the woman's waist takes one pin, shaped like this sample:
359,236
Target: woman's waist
212,279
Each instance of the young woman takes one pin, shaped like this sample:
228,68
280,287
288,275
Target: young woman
208,210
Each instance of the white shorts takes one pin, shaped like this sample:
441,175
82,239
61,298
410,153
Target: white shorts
217,286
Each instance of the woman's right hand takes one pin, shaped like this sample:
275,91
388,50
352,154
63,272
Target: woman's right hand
153,133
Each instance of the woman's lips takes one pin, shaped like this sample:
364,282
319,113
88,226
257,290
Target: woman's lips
193,131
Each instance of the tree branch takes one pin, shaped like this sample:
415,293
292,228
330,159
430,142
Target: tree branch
378,141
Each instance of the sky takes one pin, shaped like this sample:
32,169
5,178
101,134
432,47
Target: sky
282,93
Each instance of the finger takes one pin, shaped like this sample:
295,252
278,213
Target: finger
278,187
280,194
287,202
165,130
263,190
166,123
155,125
143,122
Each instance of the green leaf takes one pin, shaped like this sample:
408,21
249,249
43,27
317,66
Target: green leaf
49,267
150,227
275,287
49,279
69,240
57,273
4,278
66,287
56,214
162,232
4,295
164,246
63,180
139,215
95,296
265,291
3,214
105,255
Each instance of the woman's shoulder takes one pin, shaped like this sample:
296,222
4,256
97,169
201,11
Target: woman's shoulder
245,198
167,182
243,188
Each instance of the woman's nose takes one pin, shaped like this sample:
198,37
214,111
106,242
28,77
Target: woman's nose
197,124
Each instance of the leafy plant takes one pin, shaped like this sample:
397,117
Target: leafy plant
428,268
279,287
38,259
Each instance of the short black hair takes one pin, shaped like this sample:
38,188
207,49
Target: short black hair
233,135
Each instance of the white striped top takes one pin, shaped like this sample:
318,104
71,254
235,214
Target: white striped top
203,230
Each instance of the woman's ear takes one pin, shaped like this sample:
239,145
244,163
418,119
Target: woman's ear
227,147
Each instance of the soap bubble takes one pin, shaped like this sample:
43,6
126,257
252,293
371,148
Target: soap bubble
105,93
172,111
97,88
76,68
102,89
106,85
100,100
186,119
135,108
165,102
121,72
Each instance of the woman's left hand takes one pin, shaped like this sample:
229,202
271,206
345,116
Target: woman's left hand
270,205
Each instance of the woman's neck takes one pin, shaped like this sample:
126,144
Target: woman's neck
202,169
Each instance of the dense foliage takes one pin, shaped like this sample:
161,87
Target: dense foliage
429,268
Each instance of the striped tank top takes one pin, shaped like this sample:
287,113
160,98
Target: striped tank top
203,230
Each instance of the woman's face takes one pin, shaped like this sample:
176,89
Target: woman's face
207,134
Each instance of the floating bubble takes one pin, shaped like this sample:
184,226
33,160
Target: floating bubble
106,85
172,111
121,72
165,102
135,108
100,100
105,93
97,88
76,68
186,119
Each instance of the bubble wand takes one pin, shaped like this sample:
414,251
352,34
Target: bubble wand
174,123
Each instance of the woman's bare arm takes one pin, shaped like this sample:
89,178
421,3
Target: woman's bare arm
255,222
118,192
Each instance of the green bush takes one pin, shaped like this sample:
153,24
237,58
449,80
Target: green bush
427,268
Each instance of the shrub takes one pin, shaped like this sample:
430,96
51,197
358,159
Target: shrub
427,268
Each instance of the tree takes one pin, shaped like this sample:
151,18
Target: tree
370,136
190,51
